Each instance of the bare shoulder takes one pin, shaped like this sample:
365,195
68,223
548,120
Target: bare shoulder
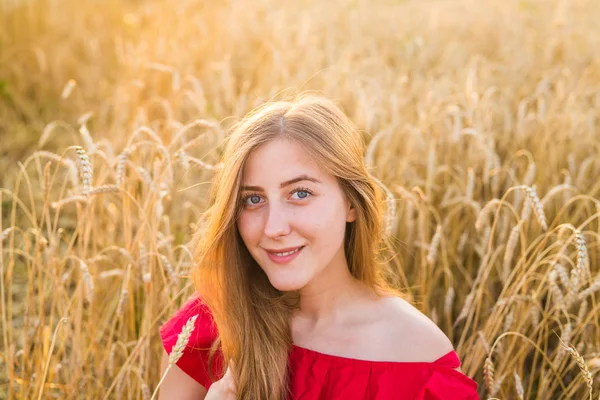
411,334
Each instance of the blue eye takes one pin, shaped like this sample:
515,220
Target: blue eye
303,193
250,197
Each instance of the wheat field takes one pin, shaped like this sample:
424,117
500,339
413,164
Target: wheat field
482,120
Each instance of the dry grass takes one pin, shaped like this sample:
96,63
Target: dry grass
482,118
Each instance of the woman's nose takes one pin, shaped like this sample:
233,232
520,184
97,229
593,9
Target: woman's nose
277,222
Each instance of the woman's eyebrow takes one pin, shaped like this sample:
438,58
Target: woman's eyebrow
300,178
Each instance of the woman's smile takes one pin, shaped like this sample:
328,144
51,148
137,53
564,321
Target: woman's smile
284,257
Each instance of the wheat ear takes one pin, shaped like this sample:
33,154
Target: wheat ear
488,374
587,375
182,340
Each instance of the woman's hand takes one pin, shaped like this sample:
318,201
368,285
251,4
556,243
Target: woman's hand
224,388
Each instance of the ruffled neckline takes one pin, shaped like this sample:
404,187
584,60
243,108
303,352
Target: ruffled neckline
450,359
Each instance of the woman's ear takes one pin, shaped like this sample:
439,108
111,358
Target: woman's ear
350,213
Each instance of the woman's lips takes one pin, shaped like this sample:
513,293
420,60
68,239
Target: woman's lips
284,259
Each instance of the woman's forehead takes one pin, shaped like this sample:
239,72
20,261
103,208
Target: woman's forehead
279,161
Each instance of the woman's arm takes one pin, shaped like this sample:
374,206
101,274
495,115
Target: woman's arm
179,385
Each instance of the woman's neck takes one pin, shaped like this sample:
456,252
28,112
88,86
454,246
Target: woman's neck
332,292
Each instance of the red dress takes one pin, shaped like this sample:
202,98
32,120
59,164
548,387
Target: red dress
319,376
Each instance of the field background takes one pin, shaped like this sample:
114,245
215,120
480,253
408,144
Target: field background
482,119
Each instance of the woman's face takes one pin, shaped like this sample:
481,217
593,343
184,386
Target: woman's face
288,203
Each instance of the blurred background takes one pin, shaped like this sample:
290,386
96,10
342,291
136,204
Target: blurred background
481,119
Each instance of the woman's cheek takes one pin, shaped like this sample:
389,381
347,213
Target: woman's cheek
248,226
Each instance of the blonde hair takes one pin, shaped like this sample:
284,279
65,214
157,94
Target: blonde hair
252,316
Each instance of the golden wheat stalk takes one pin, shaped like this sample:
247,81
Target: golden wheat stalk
51,348
177,351
585,372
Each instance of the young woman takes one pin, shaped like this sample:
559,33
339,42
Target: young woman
292,291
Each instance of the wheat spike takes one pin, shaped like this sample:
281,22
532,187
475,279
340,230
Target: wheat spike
565,337
111,359
574,284
122,160
144,264
508,321
143,172
177,350
556,292
510,249
561,272
538,209
87,279
582,254
485,211
449,301
434,316
182,340
465,309
470,183
488,374
587,375
433,247
169,268
481,247
519,386
535,316
484,342
182,159
462,241
122,300
85,169
68,89
87,138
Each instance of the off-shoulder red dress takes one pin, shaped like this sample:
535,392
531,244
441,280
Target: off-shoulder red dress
319,376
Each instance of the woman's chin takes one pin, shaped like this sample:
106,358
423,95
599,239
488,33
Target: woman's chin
287,285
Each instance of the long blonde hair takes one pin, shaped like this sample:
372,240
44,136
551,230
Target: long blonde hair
252,317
